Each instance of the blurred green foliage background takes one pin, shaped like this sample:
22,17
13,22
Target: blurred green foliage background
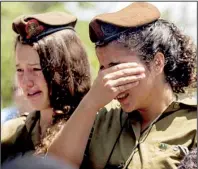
11,10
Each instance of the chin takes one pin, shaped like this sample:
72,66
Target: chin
127,108
38,106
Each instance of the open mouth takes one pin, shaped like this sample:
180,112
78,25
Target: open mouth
122,96
31,94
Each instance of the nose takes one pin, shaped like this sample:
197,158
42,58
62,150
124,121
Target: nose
28,80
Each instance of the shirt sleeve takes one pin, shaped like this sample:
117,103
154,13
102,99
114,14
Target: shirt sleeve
103,119
10,132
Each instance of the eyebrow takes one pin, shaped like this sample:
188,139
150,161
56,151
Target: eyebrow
30,64
110,64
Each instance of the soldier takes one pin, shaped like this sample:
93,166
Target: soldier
53,72
145,61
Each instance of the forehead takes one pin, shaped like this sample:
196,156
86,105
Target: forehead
115,53
25,54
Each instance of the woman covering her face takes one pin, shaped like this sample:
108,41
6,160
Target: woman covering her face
145,61
53,71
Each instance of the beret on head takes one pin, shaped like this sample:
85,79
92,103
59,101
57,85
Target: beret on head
107,27
31,28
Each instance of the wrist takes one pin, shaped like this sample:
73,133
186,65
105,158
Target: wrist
90,104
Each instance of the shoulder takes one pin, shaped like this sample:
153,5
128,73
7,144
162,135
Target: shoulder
188,107
108,114
185,108
189,110
179,119
109,119
16,135
186,112
13,128
10,129
112,108
190,102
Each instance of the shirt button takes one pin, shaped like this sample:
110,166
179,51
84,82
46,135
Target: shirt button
176,106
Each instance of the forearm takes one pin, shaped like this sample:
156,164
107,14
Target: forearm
71,142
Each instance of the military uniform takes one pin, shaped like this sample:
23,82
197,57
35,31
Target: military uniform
117,140
22,134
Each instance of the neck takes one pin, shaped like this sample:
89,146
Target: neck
158,101
46,118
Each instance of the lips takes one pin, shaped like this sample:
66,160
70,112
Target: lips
32,94
121,97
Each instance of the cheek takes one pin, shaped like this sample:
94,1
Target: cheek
145,84
42,82
20,80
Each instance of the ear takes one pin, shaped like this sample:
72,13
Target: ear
158,62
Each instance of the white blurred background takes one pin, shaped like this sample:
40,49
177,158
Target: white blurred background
183,14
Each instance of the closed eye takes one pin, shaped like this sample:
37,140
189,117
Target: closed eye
114,64
101,68
37,69
110,65
19,70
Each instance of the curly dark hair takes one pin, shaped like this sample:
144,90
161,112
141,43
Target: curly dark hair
179,51
66,69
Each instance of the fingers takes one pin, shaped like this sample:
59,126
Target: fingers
124,73
127,80
120,67
123,88
124,83
117,79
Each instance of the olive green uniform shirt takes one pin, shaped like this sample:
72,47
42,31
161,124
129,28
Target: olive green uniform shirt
160,146
20,135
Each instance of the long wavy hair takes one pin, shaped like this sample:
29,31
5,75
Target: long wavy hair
66,69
